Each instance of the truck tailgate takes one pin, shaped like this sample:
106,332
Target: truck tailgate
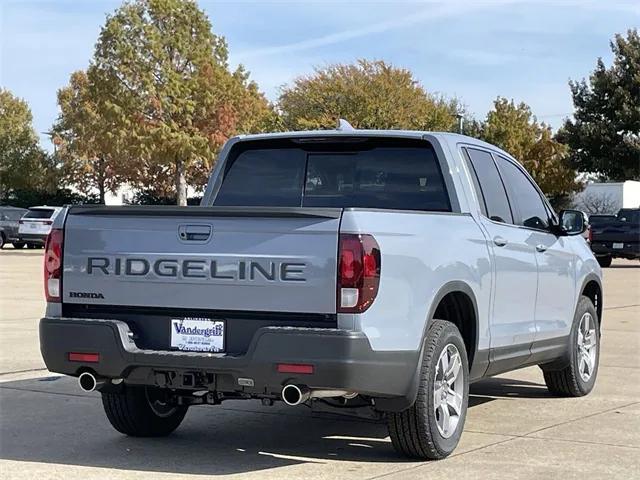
214,258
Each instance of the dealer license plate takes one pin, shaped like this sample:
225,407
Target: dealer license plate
618,245
197,334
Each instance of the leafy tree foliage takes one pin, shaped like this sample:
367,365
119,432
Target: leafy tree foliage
55,196
151,197
163,82
23,164
368,94
604,136
85,141
514,129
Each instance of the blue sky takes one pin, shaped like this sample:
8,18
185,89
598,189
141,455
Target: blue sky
475,50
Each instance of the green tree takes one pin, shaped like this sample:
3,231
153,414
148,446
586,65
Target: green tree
604,134
514,129
368,94
23,164
85,141
163,83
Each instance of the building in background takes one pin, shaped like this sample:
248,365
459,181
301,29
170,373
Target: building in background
608,197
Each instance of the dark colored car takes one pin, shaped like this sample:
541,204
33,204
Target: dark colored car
9,223
615,236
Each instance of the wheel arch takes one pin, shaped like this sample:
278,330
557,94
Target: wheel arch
592,288
456,302
451,295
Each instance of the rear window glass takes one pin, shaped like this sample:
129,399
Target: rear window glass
264,177
372,174
39,213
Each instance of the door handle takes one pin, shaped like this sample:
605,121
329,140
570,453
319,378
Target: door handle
541,248
194,233
499,241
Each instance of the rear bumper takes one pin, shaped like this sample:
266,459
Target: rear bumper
33,238
629,249
342,359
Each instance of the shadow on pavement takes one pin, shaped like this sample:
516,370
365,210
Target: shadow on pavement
51,421
498,387
5,252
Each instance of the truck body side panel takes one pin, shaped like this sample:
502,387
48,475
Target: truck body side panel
416,264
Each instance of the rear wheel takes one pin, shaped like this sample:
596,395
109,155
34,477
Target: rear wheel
432,426
604,261
32,246
18,245
142,411
578,376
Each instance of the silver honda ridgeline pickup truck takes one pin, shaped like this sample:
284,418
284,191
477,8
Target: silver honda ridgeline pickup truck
372,272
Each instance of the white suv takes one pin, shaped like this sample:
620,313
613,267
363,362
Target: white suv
36,225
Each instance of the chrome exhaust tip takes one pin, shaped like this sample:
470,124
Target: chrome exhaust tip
88,382
295,394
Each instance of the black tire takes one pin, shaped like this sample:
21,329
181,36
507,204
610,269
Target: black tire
2,240
18,245
567,381
32,246
605,261
130,412
414,432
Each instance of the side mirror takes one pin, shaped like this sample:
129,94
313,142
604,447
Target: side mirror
573,222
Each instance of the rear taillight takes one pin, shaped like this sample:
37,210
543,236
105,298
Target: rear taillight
589,234
358,272
84,357
53,266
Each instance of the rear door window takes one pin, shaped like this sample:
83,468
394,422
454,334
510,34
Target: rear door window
382,174
492,194
531,210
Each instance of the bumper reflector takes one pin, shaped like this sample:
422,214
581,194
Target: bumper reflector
295,368
84,357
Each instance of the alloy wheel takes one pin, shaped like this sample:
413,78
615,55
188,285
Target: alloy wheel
587,346
448,390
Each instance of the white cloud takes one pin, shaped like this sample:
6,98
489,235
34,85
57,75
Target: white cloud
436,11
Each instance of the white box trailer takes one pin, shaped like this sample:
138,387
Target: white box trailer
608,197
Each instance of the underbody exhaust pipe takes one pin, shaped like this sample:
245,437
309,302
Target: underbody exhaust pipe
297,394
89,382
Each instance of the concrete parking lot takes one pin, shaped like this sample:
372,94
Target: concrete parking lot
514,429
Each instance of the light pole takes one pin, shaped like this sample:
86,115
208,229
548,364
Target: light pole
50,134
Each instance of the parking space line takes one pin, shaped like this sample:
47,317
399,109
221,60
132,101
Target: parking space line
528,435
24,371
33,390
622,306
617,407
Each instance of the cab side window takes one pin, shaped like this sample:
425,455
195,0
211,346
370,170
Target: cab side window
489,187
530,209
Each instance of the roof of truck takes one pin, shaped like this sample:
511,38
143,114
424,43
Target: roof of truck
448,137
350,133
